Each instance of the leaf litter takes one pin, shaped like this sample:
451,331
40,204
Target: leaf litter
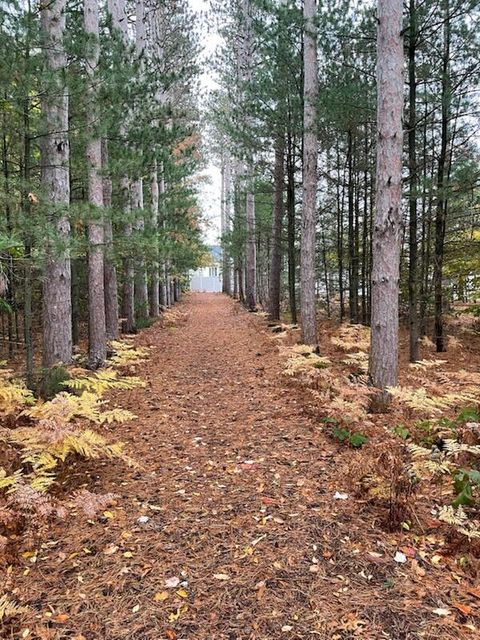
243,539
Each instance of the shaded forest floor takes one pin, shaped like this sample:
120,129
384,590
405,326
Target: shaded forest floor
230,529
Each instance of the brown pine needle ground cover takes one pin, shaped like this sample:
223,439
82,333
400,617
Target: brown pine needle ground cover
230,529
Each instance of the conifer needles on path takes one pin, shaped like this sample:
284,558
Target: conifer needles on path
234,526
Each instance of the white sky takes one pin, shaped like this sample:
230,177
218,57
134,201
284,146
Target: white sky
210,184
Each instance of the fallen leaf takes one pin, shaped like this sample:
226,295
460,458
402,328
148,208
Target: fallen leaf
221,576
474,591
182,593
442,612
463,608
400,557
110,549
172,583
161,596
61,618
136,608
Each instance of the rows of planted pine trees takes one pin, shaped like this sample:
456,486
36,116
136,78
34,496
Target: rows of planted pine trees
98,217
350,163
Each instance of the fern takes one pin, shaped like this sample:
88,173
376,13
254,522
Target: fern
102,381
9,608
13,395
116,415
127,354
351,337
452,515
426,364
419,400
358,359
7,481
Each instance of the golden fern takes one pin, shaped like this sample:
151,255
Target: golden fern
426,364
9,608
13,395
66,406
116,415
8,481
102,381
419,400
126,354
352,337
358,359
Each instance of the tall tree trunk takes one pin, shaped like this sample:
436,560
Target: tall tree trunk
291,229
387,234
413,185
118,12
110,271
251,249
97,346
309,213
340,236
352,271
141,285
26,208
57,301
226,263
128,300
163,264
155,276
277,226
364,275
441,206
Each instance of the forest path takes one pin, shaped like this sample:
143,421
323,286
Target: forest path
237,484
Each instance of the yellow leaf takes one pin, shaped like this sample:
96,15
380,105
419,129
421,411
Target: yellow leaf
128,554
175,616
182,593
161,596
108,514
136,608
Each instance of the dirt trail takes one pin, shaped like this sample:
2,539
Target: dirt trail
237,484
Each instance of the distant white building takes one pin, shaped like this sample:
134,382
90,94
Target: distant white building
208,278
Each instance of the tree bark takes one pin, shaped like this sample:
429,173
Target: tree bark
309,213
251,248
413,185
277,226
441,205
110,271
155,276
352,264
97,346
387,233
57,302
291,229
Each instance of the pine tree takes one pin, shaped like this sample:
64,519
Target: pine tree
387,233
57,305
310,153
